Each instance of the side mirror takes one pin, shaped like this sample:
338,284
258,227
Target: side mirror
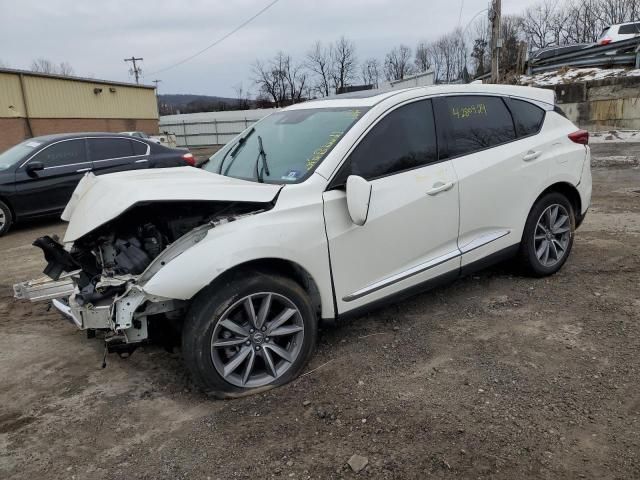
358,197
33,167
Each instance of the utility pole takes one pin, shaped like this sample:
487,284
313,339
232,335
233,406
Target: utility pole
157,95
135,70
495,15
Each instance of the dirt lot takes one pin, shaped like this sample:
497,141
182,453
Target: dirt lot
495,376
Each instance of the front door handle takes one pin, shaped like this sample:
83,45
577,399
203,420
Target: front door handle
531,155
143,160
88,169
440,187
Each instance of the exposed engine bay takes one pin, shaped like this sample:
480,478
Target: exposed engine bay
97,282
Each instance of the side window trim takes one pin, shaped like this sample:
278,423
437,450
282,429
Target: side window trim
86,153
347,157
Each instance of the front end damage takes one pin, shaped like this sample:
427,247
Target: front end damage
97,281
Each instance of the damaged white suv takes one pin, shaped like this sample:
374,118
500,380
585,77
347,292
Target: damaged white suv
316,212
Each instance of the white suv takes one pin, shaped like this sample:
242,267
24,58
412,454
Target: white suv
619,32
318,211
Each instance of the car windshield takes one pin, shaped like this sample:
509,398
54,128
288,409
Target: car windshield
16,153
604,33
293,143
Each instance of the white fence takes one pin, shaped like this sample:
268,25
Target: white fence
209,128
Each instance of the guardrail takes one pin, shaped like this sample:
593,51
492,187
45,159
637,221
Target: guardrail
625,52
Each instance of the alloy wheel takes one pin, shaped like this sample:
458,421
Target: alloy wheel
257,339
552,235
3,219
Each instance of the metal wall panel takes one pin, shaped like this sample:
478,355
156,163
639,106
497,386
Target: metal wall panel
11,105
66,98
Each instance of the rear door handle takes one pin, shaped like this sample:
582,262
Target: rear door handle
531,155
440,187
88,169
143,160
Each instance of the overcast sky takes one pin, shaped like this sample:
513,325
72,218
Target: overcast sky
95,36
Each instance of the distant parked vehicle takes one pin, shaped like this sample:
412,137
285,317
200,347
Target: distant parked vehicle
142,135
619,32
554,51
38,176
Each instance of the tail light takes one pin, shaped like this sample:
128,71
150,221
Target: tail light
189,158
581,137
605,41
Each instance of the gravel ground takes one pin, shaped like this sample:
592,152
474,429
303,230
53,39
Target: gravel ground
494,376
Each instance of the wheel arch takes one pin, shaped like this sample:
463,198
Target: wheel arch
283,267
566,189
6,201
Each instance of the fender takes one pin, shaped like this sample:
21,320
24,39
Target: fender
292,234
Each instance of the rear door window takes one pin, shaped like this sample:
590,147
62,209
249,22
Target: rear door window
475,123
107,148
404,139
68,152
527,117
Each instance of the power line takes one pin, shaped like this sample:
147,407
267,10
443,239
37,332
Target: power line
221,39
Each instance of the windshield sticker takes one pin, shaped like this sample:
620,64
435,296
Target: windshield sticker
322,151
292,175
32,144
469,111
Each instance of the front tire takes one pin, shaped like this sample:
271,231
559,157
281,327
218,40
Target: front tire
6,219
250,333
548,235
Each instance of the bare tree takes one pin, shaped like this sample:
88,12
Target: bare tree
479,39
423,57
280,79
65,69
242,97
397,63
537,25
44,65
344,63
450,52
371,72
319,62
296,80
511,53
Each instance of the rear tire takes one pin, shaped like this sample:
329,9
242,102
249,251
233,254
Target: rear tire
248,334
548,235
6,219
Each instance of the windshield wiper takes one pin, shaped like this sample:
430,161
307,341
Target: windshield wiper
234,151
265,167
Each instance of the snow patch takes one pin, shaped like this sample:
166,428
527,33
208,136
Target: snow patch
563,76
615,136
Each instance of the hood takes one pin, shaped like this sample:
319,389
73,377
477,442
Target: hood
99,199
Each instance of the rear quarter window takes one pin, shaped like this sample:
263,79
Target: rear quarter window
527,117
139,148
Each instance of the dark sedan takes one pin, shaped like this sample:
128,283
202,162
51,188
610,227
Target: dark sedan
38,176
